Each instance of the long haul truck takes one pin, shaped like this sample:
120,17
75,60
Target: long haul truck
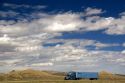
82,75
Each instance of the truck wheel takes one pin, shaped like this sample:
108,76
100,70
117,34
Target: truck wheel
91,78
77,79
65,78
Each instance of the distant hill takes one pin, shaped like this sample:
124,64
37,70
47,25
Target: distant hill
108,75
56,73
30,74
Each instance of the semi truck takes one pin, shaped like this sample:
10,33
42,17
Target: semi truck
81,75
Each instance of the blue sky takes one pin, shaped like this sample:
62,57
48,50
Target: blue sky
47,34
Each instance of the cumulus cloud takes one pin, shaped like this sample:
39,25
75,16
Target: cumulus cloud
117,26
93,11
59,23
42,64
66,22
24,41
14,29
123,52
103,45
5,39
5,45
62,55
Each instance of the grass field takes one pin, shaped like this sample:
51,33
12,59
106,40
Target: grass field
35,76
67,81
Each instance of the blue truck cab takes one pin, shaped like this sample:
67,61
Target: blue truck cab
81,75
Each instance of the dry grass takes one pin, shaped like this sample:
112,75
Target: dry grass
35,76
70,81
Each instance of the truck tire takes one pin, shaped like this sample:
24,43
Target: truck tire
77,78
65,78
91,79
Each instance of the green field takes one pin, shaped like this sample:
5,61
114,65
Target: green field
67,81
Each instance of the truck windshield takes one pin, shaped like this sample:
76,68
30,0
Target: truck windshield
69,74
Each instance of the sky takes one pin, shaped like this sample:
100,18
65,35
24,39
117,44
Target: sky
62,35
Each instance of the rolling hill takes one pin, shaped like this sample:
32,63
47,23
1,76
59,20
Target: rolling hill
31,74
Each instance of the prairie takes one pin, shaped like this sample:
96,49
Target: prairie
36,76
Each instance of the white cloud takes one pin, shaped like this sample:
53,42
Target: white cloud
63,55
28,48
5,39
120,60
67,22
103,45
43,64
4,22
117,26
123,52
122,14
25,40
123,44
10,62
92,11
60,23
14,29
8,13
14,6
